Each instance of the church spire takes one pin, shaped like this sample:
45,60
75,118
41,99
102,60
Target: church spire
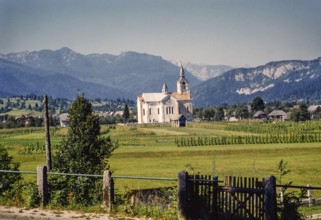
164,89
181,72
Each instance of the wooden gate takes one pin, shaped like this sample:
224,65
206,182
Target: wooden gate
235,198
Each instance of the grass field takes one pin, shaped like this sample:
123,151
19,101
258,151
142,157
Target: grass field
152,152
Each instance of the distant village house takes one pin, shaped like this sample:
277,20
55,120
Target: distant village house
25,120
261,115
278,115
315,111
63,119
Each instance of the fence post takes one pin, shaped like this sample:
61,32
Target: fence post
282,190
270,198
182,195
309,191
108,190
42,184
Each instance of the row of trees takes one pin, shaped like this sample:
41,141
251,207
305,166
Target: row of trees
60,105
9,122
246,111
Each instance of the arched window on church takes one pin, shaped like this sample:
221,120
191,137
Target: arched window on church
183,85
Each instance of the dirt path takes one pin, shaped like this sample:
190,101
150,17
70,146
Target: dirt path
7,213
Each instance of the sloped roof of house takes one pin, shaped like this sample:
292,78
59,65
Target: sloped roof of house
64,117
258,113
120,113
313,108
277,113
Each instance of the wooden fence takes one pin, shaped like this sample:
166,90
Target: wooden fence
203,197
199,197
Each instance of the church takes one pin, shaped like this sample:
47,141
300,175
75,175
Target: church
166,106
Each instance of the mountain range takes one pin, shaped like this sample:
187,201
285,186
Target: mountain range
275,81
204,72
64,72
124,76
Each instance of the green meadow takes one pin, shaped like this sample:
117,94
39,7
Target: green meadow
152,151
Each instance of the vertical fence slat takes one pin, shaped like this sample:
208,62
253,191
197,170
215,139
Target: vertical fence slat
182,194
226,198
270,198
253,198
257,200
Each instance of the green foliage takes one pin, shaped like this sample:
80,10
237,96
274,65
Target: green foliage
208,114
242,112
126,113
83,151
289,204
8,181
11,185
300,114
289,208
219,114
164,207
281,170
257,104
33,195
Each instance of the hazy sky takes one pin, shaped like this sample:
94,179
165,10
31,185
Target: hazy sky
233,32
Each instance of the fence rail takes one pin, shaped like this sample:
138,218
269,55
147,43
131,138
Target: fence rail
229,198
300,187
91,175
18,171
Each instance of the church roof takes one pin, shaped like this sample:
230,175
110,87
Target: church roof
182,97
153,97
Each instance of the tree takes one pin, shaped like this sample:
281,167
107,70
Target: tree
305,115
208,114
288,207
8,180
242,112
300,114
257,104
198,113
219,114
84,151
126,113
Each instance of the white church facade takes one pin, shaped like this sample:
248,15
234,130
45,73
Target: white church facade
166,106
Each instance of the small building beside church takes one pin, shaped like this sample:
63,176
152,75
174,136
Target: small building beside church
165,106
179,122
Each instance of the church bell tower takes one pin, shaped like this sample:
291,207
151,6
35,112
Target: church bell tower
182,84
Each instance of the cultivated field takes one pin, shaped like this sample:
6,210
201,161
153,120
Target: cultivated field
157,151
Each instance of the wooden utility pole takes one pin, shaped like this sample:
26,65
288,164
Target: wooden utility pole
47,130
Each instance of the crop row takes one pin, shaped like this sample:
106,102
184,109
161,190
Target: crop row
249,139
275,128
34,149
